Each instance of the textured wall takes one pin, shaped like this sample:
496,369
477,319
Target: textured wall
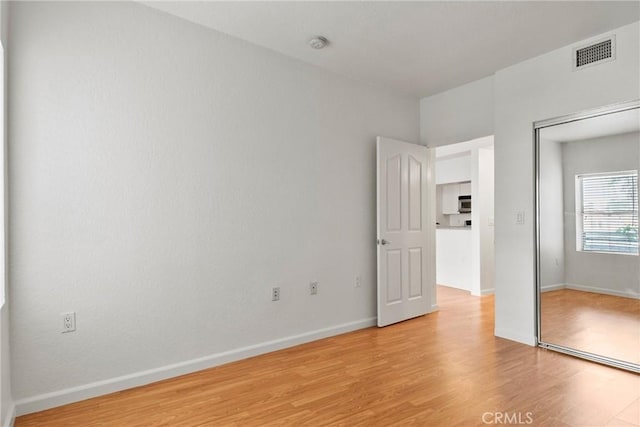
164,177
538,89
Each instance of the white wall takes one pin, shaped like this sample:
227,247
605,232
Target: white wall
164,177
537,89
484,222
552,261
482,217
454,257
6,398
6,402
608,273
457,115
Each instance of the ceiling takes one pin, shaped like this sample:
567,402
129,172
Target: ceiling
419,48
594,127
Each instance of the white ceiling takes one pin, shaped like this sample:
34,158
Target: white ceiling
420,48
594,127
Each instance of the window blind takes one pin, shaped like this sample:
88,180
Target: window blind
610,213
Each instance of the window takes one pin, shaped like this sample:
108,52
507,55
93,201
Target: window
607,212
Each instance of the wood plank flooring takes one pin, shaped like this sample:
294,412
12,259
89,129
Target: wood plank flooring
443,369
601,324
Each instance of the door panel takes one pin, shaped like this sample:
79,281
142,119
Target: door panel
406,230
415,273
415,194
394,276
394,193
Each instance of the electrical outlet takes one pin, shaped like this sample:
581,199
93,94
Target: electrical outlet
68,322
358,281
313,288
275,294
520,218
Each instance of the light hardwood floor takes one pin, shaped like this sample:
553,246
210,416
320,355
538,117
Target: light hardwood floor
443,369
597,323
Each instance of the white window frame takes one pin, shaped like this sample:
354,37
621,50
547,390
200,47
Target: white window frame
580,209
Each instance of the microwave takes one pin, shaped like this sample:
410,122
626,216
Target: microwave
464,204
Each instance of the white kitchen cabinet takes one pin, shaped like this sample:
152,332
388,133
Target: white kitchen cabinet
450,193
465,189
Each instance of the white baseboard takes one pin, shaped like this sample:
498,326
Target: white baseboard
593,289
614,292
515,336
434,308
554,287
462,288
11,416
99,388
490,291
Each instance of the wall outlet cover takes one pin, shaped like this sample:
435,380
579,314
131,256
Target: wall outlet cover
68,322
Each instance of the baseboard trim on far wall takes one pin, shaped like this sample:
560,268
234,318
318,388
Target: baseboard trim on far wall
99,388
10,419
593,289
605,291
554,287
490,291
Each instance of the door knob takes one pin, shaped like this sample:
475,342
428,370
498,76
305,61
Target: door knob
384,242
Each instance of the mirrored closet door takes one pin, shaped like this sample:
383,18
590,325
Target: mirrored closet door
588,268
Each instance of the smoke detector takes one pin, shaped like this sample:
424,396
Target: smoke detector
318,42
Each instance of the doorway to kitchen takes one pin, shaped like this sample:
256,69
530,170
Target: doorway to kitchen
465,252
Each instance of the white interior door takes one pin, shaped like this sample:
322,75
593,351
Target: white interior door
406,230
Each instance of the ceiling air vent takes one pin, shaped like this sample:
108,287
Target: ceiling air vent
595,53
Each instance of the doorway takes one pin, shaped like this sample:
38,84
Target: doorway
465,253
